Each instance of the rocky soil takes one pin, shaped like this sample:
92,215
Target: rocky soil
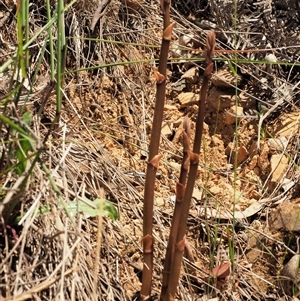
245,207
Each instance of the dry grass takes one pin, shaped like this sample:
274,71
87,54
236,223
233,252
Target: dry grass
102,143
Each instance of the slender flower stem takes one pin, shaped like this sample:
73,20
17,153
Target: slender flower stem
194,160
154,157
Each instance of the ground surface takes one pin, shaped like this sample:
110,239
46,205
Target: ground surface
246,199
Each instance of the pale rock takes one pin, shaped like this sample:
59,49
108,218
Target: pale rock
285,217
238,182
179,86
225,78
288,125
247,101
242,153
216,139
169,107
215,190
219,100
252,201
176,166
290,275
186,40
188,99
279,165
127,229
271,58
235,208
232,114
197,194
191,76
178,122
263,160
160,202
106,83
277,144
253,162
167,130
205,129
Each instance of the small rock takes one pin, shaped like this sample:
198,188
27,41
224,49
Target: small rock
216,140
277,144
286,217
254,245
247,101
179,86
241,155
160,202
188,99
263,160
191,76
219,100
290,275
279,165
197,194
106,83
170,108
225,79
253,254
187,40
288,125
271,58
215,190
233,113
287,184
253,162
167,130
176,166
178,122
253,149
256,170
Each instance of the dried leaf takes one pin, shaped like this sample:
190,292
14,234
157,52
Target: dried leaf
222,270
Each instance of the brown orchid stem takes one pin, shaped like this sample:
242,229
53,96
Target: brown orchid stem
178,206
154,157
194,160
